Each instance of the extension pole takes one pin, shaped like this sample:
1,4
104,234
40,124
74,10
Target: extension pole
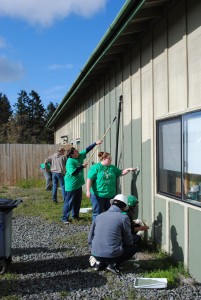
118,123
96,147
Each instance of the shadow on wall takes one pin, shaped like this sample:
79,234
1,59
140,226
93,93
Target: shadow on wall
177,251
134,192
156,233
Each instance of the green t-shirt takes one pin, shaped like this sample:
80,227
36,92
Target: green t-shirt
104,180
74,182
42,166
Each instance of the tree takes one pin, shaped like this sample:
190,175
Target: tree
5,115
36,119
27,125
49,133
50,110
21,117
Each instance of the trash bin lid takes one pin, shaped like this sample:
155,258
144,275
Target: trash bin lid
7,203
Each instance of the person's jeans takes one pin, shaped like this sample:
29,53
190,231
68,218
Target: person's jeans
57,178
72,202
48,178
128,253
99,205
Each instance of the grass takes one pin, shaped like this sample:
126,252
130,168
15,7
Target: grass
37,202
162,266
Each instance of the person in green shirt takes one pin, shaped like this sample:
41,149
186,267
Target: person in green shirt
101,183
47,174
137,226
74,180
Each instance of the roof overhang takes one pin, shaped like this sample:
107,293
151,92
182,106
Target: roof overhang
133,21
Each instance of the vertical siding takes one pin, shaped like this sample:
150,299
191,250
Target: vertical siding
193,48
113,107
177,234
159,227
126,116
177,63
147,128
136,139
194,242
102,111
107,111
160,69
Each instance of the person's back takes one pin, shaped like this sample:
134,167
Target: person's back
110,238
58,163
112,230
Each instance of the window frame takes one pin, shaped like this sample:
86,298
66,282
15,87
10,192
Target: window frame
182,118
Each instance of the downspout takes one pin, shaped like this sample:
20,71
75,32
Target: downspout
102,54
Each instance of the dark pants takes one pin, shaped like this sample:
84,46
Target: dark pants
72,202
128,253
99,205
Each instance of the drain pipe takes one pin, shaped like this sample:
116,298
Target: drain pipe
117,134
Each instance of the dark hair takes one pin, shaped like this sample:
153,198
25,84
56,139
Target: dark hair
103,155
70,152
119,204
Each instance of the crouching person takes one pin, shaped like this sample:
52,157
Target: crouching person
110,238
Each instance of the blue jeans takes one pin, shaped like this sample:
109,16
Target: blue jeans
48,179
57,178
99,205
72,202
128,252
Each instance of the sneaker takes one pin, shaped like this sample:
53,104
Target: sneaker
65,222
99,266
55,201
92,261
113,268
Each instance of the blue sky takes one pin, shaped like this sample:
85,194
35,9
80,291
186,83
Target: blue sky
44,43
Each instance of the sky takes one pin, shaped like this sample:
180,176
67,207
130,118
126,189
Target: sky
44,44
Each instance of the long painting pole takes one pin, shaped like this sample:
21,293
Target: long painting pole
117,133
96,148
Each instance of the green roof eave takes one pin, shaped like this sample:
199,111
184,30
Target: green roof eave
105,43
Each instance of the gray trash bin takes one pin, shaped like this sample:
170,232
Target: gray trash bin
6,210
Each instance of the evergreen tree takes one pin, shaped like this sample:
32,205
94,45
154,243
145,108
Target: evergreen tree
5,116
36,123
50,110
21,117
49,134
27,125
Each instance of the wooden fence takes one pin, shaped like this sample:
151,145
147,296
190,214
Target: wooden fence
21,161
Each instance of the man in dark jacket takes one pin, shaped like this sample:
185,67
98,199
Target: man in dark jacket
110,237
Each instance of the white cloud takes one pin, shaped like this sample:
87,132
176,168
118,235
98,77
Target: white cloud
10,70
45,12
55,67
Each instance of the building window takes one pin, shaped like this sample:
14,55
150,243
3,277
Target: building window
178,157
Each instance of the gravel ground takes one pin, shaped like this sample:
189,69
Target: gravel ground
44,268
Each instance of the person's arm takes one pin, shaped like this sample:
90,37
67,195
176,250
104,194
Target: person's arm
78,169
46,162
127,236
88,186
141,228
89,148
128,170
